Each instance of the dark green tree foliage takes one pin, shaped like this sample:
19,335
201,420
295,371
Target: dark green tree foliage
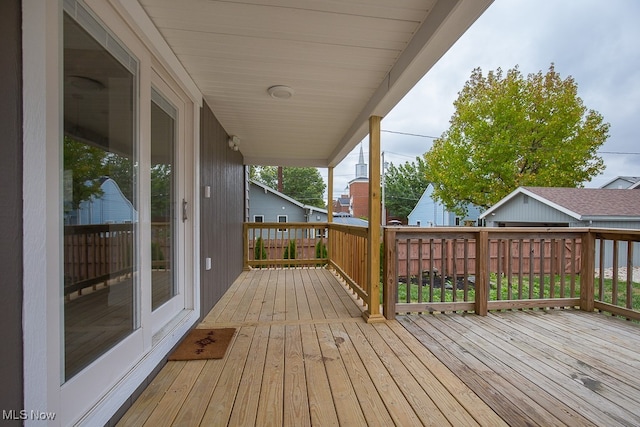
259,251
83,166
509,131
120,169
161,192
302,184
404,184
290,252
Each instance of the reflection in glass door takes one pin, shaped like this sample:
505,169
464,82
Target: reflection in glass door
99,197
163,229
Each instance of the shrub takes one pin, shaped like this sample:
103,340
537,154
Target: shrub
259,251
290,251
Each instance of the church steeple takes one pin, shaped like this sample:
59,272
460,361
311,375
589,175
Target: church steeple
361,167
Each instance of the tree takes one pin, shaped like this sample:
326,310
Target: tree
83,166
508,131
302,184
403,185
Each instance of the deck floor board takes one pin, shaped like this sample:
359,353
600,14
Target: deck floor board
303,355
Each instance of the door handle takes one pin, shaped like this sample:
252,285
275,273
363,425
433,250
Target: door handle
184,210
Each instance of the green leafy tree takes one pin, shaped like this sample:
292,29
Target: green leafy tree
404,184
83,166
259,251
302,184
120,169
290,252
161,182
509,131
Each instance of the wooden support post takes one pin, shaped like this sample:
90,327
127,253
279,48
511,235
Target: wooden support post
389,291
329,213
482,273
587,270
373,239
245,246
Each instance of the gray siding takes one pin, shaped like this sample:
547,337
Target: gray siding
222,214
11,207
271,206
529,210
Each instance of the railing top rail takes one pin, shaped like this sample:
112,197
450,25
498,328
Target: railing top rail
357,230
259,225
97,228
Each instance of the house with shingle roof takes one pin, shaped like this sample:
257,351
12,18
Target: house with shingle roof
566,207
623,182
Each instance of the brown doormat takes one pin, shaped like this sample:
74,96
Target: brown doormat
204,344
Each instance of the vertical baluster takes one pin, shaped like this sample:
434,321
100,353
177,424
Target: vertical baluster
562,266
552,270
574,248
499,270
432,269
443,268
454,272
542,251
531,267
520,267
601,281
614,281
466,270
419,270
629,274
509,259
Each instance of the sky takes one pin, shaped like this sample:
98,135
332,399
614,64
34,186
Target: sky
595,42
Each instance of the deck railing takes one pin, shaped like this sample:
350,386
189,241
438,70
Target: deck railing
278,245
481,269
348,257
340,247
95,254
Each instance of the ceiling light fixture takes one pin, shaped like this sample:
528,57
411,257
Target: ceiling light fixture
281,92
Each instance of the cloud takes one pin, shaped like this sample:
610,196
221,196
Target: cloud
595,42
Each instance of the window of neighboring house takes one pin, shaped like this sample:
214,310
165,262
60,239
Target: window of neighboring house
282,218
258,218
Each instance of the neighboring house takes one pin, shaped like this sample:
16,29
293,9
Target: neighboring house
111,207
566,207
623,182
202,87
429,212
269,205
570,207
342,204
347,219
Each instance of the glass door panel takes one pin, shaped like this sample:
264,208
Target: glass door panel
99,199
163,217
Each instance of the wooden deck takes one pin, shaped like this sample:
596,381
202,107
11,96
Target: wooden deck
553,367
302,355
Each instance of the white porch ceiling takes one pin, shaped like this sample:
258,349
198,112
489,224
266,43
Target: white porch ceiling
345,60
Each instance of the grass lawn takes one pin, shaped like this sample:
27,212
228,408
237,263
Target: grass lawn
503,290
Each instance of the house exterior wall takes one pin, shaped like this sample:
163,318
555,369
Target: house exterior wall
528,210
221,215
116,210
430,213
359,194
271,206
11,255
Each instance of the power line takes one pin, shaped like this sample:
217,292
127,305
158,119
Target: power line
409,134
617,152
